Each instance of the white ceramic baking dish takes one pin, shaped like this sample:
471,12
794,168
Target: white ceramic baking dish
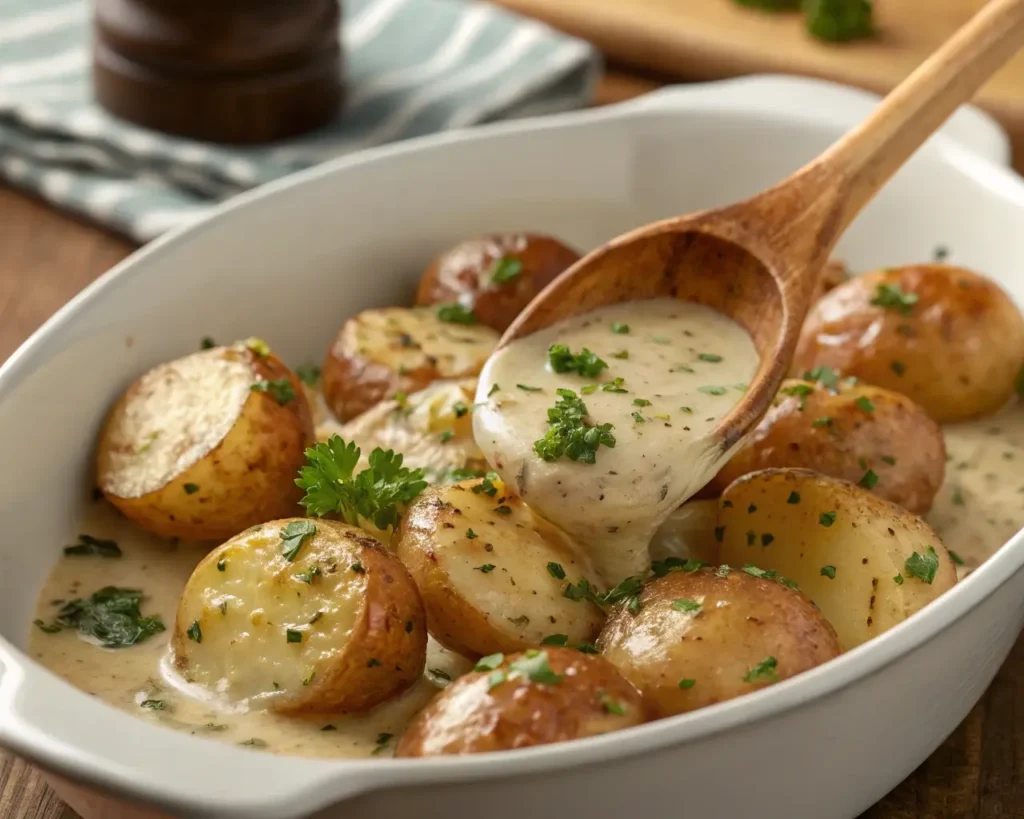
290,261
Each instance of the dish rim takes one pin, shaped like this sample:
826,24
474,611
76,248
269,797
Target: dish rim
331,780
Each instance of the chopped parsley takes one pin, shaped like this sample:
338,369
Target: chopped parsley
486,568
940,253
826,376
711,390
487,485
687,682
865,404
794,498
308,575
555,640
89,545
612,706
505,269
800,391
686,605
154,705
660,568
714,359
308,374
959,561
207,343
190,488
195,632
764,671
446,435
382,742
570,434
838,21
456,314
292,635
556,571
534,666
829,572
257,346
824,421
111,615
358,568
615,385
621,354
460,409
890,297
620,328
826,519
923,567
490,662
898,367
503,510
471,535
587,648
494,388
586,363
869,480
292,536
898,580
222,565
528,388
280,389
638,417
375,494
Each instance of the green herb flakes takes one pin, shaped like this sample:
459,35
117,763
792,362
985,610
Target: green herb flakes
923,567
456,314
293,535
280,389
829,572
763,672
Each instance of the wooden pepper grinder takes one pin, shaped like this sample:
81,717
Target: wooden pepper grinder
234,71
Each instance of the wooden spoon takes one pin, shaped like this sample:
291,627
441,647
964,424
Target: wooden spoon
758,261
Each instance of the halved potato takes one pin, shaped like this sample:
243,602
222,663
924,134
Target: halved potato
710,635
206,445
944,336
492,572
304,616
844,431
533,698
432,428
397,350
495,276
867,563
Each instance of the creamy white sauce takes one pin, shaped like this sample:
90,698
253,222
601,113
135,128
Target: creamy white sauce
683,368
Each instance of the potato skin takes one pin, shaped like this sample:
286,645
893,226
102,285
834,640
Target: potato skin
471,716
885,432
515,604
956,352
463,275
246,479
379,353
376,650
742,621
774,519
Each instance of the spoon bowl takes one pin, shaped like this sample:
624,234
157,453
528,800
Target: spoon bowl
758,261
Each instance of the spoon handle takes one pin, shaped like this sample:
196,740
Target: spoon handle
864,159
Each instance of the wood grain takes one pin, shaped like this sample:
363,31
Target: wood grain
712,39
47,257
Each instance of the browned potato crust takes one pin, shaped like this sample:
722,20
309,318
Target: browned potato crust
742,623
355,611
394,350
246,478
483,564
504,709
956,351
463,275
843,432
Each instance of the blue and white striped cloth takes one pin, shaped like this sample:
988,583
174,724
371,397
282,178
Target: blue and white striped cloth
412,67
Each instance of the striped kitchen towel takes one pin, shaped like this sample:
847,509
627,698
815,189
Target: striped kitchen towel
413,67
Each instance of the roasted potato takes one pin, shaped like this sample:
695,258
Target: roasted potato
533,698
706,636
866,563
495,276
432,428
306,615
206,445
393,351
947,338
844,431
688,532
492,572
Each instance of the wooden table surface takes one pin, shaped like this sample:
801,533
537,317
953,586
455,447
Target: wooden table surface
46,257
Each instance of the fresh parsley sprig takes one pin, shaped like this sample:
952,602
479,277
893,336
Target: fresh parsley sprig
570,434
374,494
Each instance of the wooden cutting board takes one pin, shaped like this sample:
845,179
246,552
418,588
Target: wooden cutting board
713,39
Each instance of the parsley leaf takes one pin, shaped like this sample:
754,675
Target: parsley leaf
687,605
111,615
89,545
280,389
826,519
829,572
487,485
375,494
687,682
456,314
889,297
764,671
292,536
505,269
308,374
570,434
620,328
826,376
586,363
869,480
490,662
535,667
838,20
556,571
923,567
